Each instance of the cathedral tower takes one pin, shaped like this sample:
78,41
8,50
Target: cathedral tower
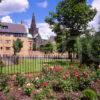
33,29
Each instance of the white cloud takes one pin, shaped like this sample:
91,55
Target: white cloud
44,30
43,4
94,23
6,19
11,6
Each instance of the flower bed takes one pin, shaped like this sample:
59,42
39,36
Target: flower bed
53,83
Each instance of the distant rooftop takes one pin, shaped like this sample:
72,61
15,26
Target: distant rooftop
12,28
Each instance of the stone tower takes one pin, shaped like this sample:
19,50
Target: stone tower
33,29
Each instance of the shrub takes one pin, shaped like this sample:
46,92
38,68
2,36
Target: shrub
70,84
90,94
3,82
84,83
6,90
1,66
20,80
98,74
28,89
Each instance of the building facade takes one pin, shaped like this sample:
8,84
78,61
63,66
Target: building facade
9,32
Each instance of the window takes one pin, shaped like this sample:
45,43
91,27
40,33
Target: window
3,27
7,48
1,48
8,41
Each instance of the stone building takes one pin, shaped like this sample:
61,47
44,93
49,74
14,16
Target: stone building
9,32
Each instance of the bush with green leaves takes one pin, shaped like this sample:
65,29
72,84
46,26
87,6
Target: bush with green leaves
90,94
1,66
27,88
27,91
98,74
3,82
84,83
43,93
20,80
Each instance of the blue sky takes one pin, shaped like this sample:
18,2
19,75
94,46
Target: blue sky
40,8
21,10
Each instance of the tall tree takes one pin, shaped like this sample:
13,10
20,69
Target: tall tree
69,21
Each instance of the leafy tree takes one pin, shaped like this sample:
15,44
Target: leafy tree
47,48
83,48
17,45
95,50
69,21
34,47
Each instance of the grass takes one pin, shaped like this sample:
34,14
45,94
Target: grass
33,65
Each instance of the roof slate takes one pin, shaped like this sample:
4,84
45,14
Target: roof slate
13,28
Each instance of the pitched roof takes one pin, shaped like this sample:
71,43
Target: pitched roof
12,28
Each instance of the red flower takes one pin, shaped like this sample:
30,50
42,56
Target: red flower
44,84
66,75
77,74
57,68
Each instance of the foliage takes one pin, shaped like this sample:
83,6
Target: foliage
17,45
28,89
6,90
69,21
68,85
84,83
90,94
83,48
96,75
88,48
1,66
20,80
3,82
48,48
34,47
37,96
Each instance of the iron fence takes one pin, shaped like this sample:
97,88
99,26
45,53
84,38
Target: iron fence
15,64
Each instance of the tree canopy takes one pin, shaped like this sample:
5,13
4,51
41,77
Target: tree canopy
69,21
47,48
17,45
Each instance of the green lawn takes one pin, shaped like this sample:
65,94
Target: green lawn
33,65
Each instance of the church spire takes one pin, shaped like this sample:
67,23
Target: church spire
33,24
33,30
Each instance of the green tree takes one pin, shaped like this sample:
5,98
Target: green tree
17,45
83,48
34,46
69,21
48,48
95,50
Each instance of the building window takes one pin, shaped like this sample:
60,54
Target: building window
1,48
8,41
7,48
3,27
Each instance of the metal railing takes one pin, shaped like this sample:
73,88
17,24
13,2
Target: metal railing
15,64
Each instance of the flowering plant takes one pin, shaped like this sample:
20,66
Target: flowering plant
27,88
